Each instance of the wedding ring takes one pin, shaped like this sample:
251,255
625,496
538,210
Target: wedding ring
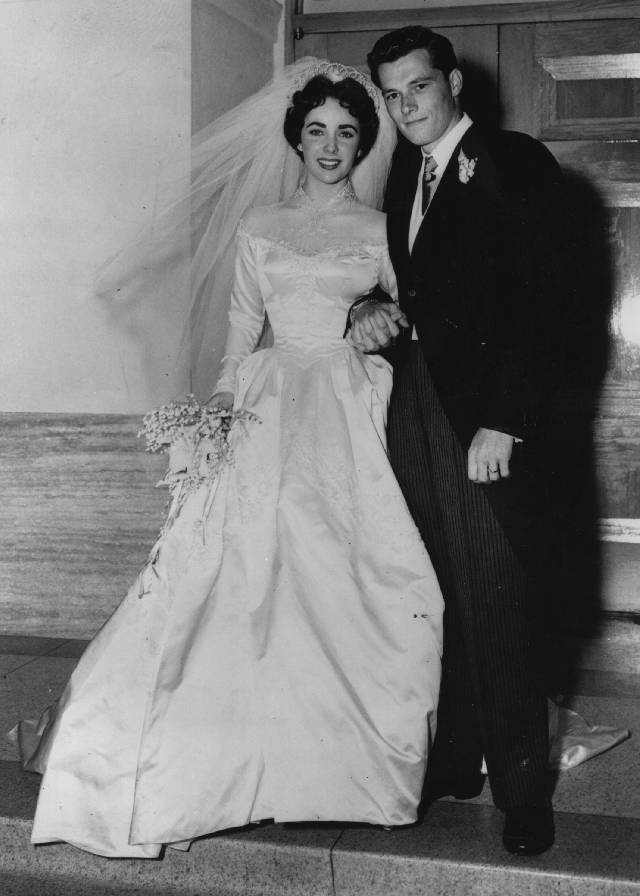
492,471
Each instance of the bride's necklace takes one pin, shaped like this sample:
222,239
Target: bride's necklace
316,219
346,194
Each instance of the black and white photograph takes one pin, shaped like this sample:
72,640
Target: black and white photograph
320,447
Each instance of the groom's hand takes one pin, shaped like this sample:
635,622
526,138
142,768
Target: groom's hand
489,455
375,324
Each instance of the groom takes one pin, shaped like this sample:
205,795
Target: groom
475,234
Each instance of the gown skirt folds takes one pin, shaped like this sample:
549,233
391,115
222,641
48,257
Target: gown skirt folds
281,656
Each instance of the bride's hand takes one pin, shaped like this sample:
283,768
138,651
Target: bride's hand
222,400
375,325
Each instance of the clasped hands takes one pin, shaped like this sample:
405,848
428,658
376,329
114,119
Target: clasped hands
374,326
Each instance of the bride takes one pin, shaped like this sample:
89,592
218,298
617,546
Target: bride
280,656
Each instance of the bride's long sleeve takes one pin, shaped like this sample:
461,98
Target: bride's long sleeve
246,314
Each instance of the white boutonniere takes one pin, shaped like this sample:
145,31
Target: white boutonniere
466,167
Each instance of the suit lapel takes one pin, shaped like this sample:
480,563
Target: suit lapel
453,195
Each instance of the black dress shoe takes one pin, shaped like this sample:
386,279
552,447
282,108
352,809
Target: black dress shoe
528,830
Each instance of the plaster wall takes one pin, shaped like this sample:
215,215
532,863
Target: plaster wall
96,113
236,46
94,98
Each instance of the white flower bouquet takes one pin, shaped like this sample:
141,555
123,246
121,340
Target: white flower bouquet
196,438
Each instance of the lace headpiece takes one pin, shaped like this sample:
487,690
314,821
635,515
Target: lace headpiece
239,161
336,71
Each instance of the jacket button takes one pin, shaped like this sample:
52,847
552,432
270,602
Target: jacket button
412,293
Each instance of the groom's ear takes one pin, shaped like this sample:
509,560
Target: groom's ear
455,81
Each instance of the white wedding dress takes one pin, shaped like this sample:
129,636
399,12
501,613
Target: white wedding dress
284,659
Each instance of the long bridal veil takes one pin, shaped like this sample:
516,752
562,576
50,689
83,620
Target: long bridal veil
239,161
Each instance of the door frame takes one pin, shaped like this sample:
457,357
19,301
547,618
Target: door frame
482,12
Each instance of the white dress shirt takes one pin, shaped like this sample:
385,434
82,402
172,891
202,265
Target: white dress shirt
441,152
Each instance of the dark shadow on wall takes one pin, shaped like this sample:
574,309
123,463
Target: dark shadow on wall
480,95
574,603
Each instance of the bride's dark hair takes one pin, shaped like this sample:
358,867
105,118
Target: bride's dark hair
351,95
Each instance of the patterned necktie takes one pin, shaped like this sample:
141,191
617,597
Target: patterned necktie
428,176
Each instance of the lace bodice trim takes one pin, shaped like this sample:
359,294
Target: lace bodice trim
370,249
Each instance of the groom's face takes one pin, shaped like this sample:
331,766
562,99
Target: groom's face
421,99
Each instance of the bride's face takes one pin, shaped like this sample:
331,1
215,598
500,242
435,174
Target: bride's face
329,142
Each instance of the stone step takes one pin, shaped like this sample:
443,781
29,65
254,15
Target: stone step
455,850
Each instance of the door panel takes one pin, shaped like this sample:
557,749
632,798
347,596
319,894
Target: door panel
590,81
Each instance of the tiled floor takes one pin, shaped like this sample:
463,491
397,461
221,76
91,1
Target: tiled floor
455,850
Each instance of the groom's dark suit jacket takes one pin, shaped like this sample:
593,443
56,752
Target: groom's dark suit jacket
486,280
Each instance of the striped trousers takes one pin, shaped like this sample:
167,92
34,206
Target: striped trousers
481,540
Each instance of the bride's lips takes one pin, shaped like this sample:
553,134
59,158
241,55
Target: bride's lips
329,164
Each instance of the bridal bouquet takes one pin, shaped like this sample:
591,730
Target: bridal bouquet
196,438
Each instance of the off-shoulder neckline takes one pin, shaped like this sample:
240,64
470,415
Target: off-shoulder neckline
346,249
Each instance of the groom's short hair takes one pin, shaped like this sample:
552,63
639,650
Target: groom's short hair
398,43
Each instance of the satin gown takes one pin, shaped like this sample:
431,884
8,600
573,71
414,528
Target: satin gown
284,660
